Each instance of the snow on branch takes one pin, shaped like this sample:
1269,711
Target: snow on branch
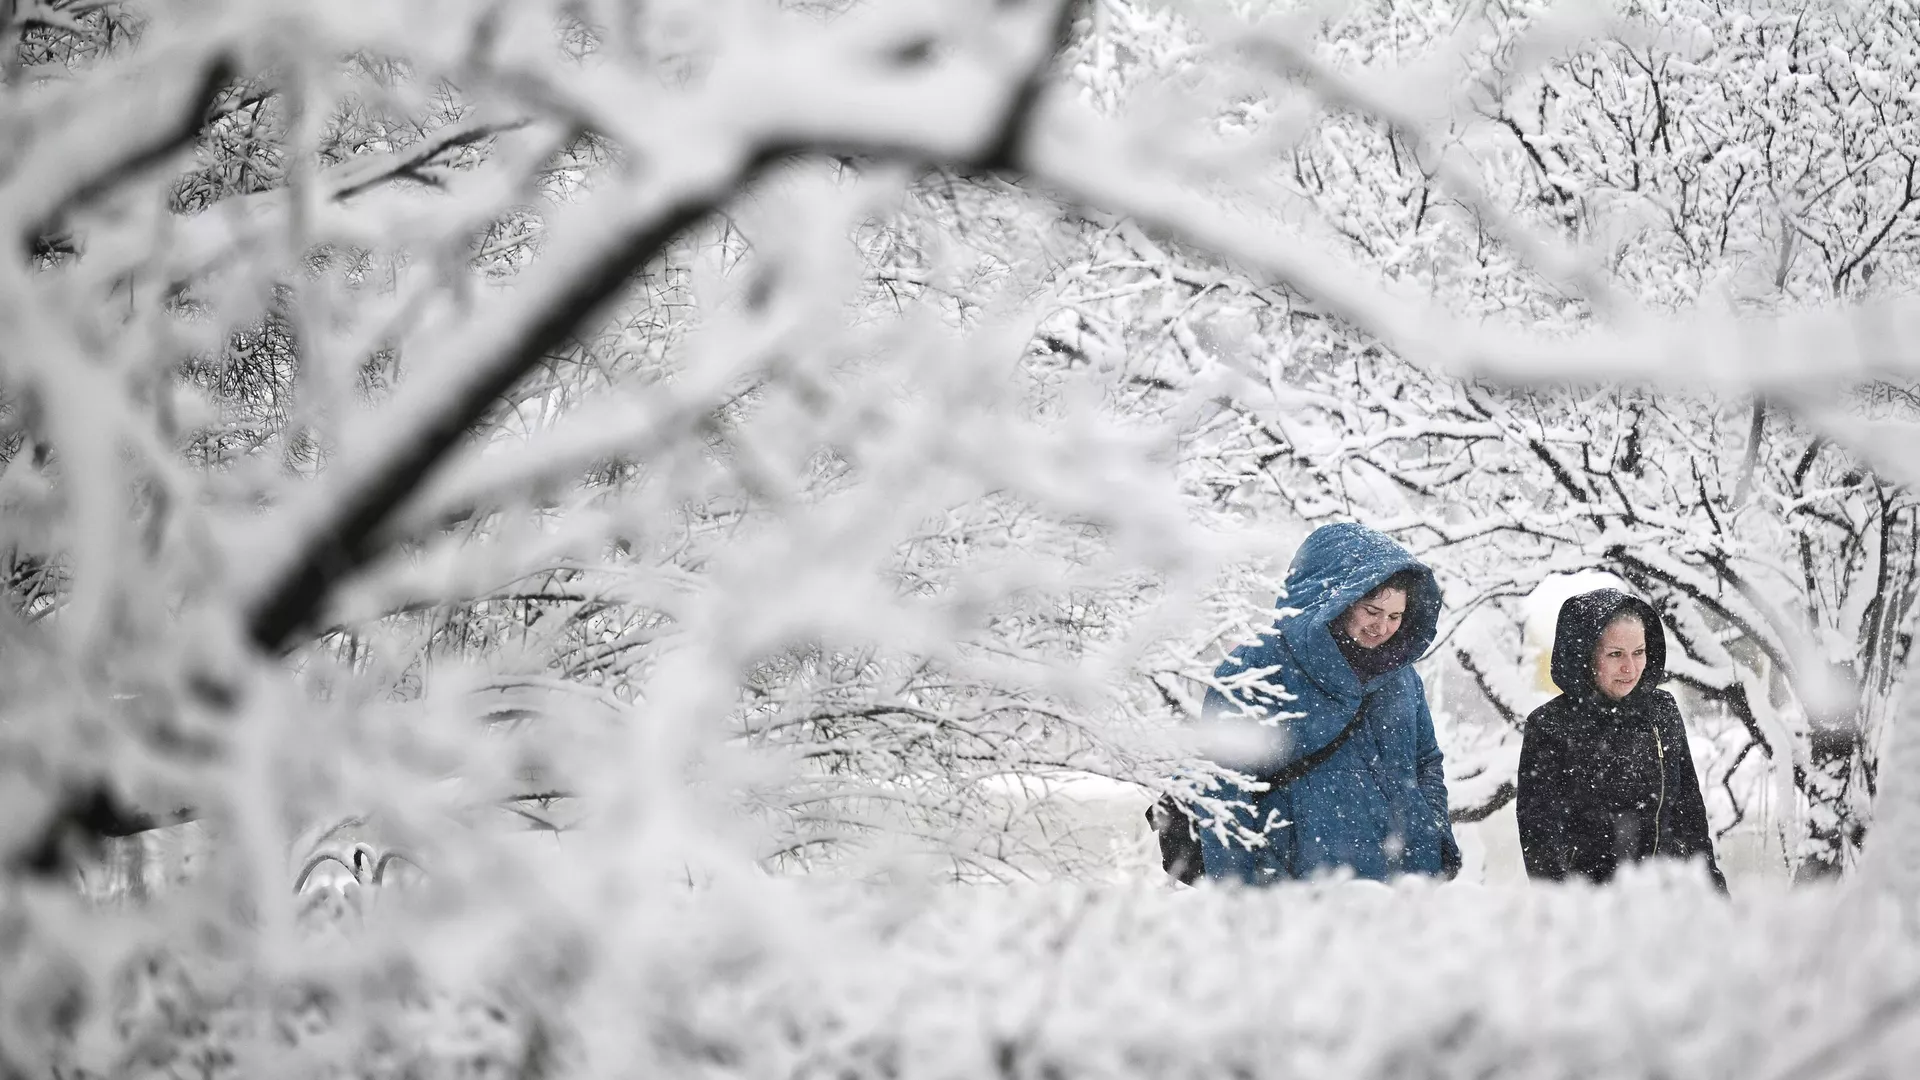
106,144
1794,357
1581,273
759,108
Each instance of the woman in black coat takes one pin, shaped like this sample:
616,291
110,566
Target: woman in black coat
1605,774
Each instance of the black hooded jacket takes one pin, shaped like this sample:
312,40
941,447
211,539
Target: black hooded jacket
1604,781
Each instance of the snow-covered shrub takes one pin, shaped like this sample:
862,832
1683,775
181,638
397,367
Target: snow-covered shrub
1655,977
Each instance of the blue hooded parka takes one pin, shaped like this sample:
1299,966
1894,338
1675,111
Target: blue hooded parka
1378,806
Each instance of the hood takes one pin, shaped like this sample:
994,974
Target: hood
1336,566
1577,634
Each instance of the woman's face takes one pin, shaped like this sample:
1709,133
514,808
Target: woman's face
1373,621
1620,658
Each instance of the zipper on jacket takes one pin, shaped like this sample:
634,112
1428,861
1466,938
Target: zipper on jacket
1660,805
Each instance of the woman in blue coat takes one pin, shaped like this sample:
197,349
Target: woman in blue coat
1333,685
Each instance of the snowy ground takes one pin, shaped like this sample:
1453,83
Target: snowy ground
1107,817
1491,848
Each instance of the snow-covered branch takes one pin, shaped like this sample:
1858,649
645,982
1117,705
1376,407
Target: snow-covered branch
758,110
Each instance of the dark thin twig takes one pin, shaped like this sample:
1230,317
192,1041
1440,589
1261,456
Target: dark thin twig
142,155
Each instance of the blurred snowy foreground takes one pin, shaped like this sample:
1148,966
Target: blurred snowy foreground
579,960
1655,977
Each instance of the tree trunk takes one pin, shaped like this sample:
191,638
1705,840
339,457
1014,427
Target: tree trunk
1835,822
1892,861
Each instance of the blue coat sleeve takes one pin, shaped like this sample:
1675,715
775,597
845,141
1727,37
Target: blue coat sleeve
1431,764
1230,860
1225,858
1258,680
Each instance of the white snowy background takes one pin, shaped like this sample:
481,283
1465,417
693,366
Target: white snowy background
598,537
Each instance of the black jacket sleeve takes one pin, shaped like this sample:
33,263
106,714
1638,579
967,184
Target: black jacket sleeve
1692,836
1544,800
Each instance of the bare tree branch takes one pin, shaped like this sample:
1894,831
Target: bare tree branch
349,531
